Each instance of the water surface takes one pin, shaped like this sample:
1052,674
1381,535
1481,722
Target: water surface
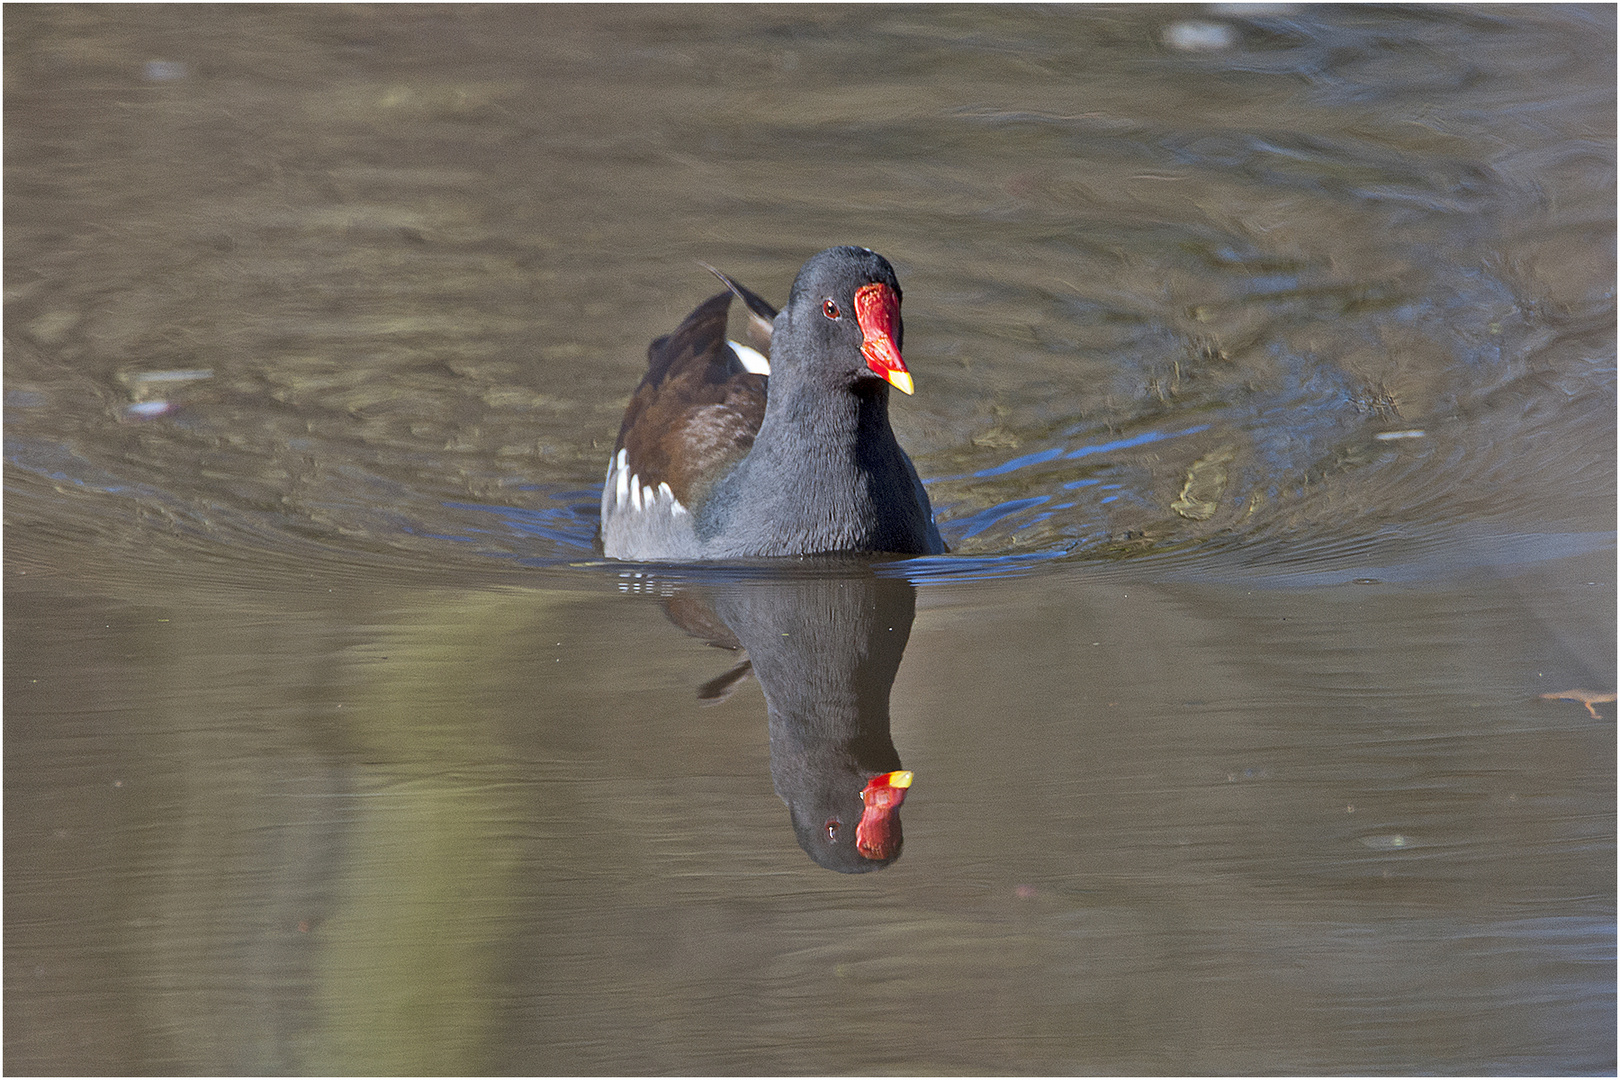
1266,396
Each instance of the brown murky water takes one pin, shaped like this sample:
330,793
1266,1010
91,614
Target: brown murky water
1266,395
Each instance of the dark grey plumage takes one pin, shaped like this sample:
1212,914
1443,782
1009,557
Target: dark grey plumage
716,462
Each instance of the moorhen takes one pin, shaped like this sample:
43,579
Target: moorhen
716,461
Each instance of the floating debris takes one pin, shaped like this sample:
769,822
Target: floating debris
166,70
1199,35
1588,698
1391,436
146,410
1387,841
182,375
144,384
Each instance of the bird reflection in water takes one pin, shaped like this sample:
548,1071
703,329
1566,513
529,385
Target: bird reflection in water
825,649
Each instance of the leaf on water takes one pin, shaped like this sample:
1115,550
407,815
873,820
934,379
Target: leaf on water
1585,697
1206,481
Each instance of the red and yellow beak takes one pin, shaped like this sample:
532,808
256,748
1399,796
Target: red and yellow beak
878,834
877,309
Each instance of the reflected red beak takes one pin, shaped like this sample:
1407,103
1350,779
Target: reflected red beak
877,309
878,834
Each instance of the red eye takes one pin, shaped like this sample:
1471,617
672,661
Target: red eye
830,309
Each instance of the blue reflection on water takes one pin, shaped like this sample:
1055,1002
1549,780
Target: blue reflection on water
1049,454
977,523
1055,453
571,523
1135,440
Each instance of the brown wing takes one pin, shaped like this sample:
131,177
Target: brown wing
697,409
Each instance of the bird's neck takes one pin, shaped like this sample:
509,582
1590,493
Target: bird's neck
827,420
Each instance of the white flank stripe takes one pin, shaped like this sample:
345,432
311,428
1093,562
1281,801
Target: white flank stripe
752,359
629,493
621,480
675,507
